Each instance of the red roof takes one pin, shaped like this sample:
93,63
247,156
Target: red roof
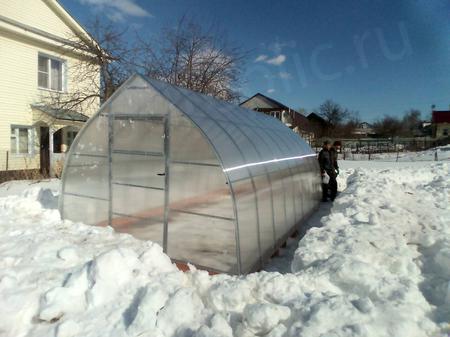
440,117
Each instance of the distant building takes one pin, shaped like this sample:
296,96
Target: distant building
291,118
364,129
440,124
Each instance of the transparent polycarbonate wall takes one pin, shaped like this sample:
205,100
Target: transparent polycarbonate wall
216,185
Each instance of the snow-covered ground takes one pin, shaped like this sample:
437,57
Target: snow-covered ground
374,263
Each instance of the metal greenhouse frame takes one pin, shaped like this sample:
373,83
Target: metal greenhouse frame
216,185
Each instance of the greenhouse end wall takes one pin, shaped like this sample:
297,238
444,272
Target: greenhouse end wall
214,184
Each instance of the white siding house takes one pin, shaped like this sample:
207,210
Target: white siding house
35,65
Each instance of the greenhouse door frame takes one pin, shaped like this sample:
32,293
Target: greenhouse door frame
165,121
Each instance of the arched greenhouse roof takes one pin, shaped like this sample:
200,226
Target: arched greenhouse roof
215,184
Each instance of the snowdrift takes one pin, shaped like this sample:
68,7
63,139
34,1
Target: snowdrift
378,265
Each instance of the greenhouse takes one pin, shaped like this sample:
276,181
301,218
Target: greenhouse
216,185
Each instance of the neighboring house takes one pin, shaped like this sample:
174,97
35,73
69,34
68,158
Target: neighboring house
35,67
440,124
319,125
426,129
364,129
291,118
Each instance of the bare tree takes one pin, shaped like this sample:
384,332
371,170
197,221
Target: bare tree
335,117
388,127
348,127
411,123
198,59
103,63
408,126
333,112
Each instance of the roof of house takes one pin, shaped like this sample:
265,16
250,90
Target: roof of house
440,116
264,103
70,21
62,114
316,118
22,27
272,103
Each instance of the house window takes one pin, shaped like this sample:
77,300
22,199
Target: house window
71,137
50,73
275,114
21,140
445,132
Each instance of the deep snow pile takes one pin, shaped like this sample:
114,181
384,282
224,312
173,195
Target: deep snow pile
379,266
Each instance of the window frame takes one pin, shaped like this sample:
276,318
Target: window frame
73,134
15,129
49,60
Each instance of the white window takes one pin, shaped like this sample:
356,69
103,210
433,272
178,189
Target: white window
276,114
21,140
50,73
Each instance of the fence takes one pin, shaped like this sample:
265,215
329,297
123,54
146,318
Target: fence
416,149
4,161
13,167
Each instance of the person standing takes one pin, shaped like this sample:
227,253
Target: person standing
335,149
326,163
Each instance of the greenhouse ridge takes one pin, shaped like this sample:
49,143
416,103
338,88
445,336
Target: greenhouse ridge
267,162
215,184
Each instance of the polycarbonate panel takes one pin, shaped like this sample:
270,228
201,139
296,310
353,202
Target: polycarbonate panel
248,218
94,140
189,144
200,189
139,134
281,226
289,199
266,219
229,150
138,176
137,201
290,190
201,229
144,228
139,170
298,191
253,157
138,211
207,242
87,175
87,210
85,179
137,97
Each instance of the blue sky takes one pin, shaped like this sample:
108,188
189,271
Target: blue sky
374,56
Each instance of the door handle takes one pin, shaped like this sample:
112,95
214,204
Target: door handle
160,174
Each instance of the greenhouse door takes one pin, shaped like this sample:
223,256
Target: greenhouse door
139,175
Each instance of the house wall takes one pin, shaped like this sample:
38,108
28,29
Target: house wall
37,14
19,74
440,128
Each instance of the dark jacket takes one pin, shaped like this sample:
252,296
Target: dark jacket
334,157
326,162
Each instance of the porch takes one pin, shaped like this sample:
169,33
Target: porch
55,131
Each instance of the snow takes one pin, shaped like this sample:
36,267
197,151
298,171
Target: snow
376,262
